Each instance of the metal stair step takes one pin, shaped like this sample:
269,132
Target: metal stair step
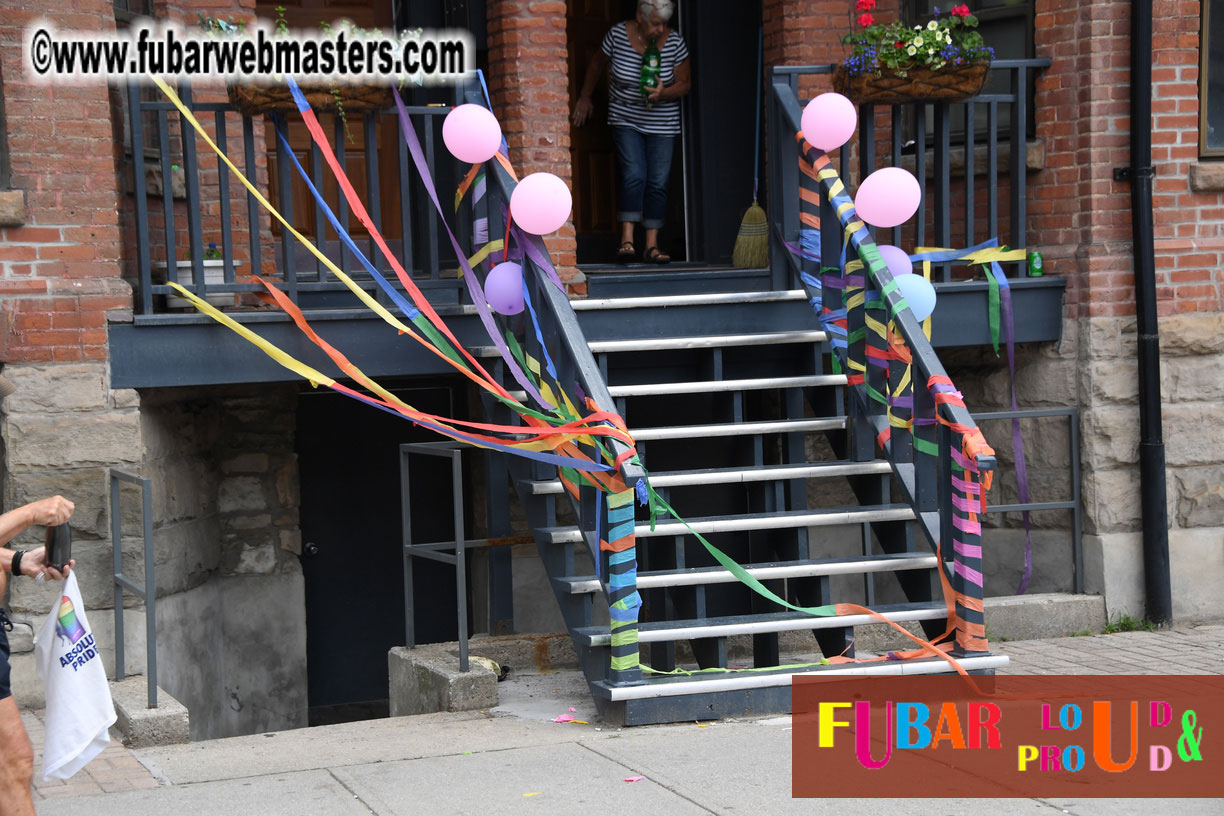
725,386
764,473
853,565
711,341
657,686
667,631
738,428
749,521
707,299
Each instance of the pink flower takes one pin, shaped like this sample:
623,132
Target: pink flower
961,10
865,20
864,5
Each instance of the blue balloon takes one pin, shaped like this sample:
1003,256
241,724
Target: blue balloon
918,293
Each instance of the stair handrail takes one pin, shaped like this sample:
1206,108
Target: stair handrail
927,482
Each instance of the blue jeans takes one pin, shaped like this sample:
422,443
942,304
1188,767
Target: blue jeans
645,163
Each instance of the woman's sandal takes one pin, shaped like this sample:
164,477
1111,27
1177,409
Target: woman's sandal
626,253
653,255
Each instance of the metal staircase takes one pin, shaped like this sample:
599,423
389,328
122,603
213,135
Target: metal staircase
738,406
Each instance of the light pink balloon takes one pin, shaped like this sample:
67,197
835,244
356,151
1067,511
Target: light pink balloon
504,288
829,121
888,197
540,203
471,133
898,261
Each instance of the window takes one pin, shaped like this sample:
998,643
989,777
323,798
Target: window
1211,81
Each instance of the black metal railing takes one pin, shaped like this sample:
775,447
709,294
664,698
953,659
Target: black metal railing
196,210
864,307
940,142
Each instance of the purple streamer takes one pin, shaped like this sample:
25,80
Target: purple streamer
1008,315
478,298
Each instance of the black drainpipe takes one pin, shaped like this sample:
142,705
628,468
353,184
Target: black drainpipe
1151,441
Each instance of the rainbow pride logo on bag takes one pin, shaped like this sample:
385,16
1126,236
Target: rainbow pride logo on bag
67,626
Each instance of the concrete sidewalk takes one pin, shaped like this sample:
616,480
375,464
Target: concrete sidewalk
514,759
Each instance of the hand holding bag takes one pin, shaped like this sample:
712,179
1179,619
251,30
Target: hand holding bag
79,707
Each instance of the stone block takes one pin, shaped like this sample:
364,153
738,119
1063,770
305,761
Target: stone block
37,441
144,727
125,398
1192,379
246,463
1196,567
1053,560
12,208
1112,380
1192,333
1192,434
1043,615
1039,383
1111,501
1109,437
257,560
1113,569
43,389
427,679
241,493
1200,496
1206,177
86,488
21,639
1106,337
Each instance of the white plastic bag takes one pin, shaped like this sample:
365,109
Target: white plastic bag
79,707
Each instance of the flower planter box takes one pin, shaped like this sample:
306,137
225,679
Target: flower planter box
948,84
257,99
214,275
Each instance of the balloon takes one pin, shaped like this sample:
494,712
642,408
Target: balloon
829,121
471,133
540,203
919,294
504,288
896,258
888,197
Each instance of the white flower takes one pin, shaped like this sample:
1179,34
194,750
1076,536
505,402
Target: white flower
931,26
911,50
947,38
917,28
918,42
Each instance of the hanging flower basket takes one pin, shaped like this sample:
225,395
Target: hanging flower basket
257,99
948,84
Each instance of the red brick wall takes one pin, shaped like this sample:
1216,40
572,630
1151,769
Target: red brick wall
529,82
60,273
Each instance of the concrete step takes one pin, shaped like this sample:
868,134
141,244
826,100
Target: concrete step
725,386
738,429
765,473
650,344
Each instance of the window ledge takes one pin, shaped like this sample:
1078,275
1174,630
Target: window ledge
12,208
1207,177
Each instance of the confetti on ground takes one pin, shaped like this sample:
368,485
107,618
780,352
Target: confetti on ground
536,793
703,725
573,710
634,778
564,718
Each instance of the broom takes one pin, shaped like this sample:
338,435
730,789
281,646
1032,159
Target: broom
752,242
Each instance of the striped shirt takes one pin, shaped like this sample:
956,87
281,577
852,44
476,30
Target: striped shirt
626,104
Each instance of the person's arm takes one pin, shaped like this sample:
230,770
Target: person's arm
45,512
681,84
595,68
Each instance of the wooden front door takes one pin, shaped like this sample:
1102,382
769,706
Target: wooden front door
307,15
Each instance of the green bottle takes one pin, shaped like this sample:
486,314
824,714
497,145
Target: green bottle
1034,264
651,64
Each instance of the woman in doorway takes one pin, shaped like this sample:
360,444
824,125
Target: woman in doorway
645,121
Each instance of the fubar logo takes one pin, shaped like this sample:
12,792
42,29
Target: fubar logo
949,736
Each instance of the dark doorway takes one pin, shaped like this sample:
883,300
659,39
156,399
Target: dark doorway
348,461
711,182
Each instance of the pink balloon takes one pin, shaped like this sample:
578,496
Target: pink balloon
471,133
540,203
888,197
829,121
504,288
898,261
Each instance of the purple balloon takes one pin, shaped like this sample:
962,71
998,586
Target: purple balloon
888,197
898,261
829,121
504,288
471,133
